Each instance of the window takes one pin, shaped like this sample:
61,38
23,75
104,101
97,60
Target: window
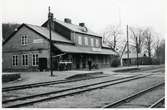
92,42
86,41
25,59
24,40
35,59
97,43
15,60
79,40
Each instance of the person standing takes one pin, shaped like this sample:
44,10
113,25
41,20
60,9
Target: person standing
89,64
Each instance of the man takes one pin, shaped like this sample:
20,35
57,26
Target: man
89,64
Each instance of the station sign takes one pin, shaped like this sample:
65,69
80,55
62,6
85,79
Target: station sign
96,49
38,41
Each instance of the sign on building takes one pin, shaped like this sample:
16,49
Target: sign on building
38,41
96,49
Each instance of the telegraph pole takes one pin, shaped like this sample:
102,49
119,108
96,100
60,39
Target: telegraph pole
127,45
50,18
137,51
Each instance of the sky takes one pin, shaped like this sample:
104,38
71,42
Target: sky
96,14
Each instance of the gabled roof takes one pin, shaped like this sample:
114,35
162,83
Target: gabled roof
44,32
77,49
75,28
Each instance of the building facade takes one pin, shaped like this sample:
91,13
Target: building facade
28,47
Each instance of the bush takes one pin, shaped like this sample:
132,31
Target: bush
155,62
115,62
10,77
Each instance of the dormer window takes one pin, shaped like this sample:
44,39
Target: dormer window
24,39
83,27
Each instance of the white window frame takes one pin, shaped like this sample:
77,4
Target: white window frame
92,42
25,60
86,41
34,59
79,40
24,39
97,43
15,60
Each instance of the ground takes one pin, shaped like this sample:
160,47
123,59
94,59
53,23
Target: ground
32,77
96,98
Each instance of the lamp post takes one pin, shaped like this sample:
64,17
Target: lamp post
50,18
137,51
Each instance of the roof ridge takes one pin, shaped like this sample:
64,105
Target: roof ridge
76,27
35,25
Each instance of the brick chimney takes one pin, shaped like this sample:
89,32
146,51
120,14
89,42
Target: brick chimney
82,24
67,20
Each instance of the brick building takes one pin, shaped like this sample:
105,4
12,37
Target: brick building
28,47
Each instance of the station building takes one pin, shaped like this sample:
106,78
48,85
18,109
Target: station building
29,46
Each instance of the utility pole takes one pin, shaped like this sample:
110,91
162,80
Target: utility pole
114,40
137,51
50,18
127,45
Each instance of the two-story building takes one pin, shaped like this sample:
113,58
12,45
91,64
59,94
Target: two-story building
75,43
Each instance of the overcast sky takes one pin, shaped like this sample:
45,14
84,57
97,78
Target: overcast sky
97,14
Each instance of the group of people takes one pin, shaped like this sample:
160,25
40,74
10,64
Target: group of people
68,65
65,66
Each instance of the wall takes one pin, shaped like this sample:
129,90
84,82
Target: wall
74,38
14,44
14,47
7,59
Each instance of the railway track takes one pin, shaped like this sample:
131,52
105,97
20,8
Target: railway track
129,98
25,86
28,100
148,69
158,104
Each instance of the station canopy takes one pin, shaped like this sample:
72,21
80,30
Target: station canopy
86,50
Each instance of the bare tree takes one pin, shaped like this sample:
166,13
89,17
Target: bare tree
160,50
137,40
110,36
149,42
157,48
8,29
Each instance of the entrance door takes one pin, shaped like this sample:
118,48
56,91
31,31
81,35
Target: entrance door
78,60
84,62
42,64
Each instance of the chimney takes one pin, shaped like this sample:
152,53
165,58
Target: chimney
82,24
67,20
